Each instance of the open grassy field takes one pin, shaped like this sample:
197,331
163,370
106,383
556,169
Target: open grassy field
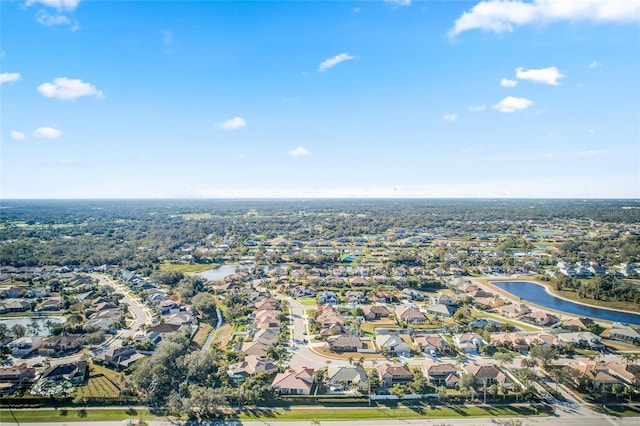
203,332
114,376
366,413
280,414
71,415
186,268
98,387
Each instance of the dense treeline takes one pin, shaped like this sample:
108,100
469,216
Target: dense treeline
140,234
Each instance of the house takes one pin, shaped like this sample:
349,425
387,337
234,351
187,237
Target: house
120,358
375,312
541,318
392,343
59,345
351,375
251,366
294,382
355,296
344,343
14,305
50,304
75,372
513,341
431,342
327,298
629,373
24,346
582,339
358,282
514,310
468,343
392,374
257,348
410,294
596,372
269,304
157,332
579,323
407,314
545,339
441,374
441,310
167,307
624,333
382,296
12,377
487,374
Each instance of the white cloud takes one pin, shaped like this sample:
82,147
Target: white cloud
299,152
69,89
232,124
549,75
17,136
399,2
47,133
68,5
511,104
450,117
50,20
477,108
590,152
503,15
8,77
594,64
332,62
505,82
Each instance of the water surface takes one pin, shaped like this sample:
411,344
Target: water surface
538,294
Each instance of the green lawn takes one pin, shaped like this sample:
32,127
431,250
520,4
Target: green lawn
619,410
295,413
98,387
71,415
366,413
308,301
186,268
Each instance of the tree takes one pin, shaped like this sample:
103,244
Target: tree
397,390
544,354
4,331
466,383
204,305
18,330
617,389
503,358
441,393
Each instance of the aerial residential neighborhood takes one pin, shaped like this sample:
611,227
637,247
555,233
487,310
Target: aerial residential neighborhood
407,316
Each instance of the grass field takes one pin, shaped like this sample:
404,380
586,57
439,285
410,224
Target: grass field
264,414
203,332
68,415
98,387
186,268
366,413
114,376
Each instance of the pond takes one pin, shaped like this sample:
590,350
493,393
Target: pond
25,321
538,294
221,272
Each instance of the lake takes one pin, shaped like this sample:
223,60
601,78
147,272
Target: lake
221,272
44,331
538,294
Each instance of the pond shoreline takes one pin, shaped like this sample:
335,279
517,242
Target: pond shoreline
490,283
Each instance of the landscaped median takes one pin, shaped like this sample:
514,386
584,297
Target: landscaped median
398,412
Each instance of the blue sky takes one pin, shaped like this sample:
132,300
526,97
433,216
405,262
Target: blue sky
153,99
